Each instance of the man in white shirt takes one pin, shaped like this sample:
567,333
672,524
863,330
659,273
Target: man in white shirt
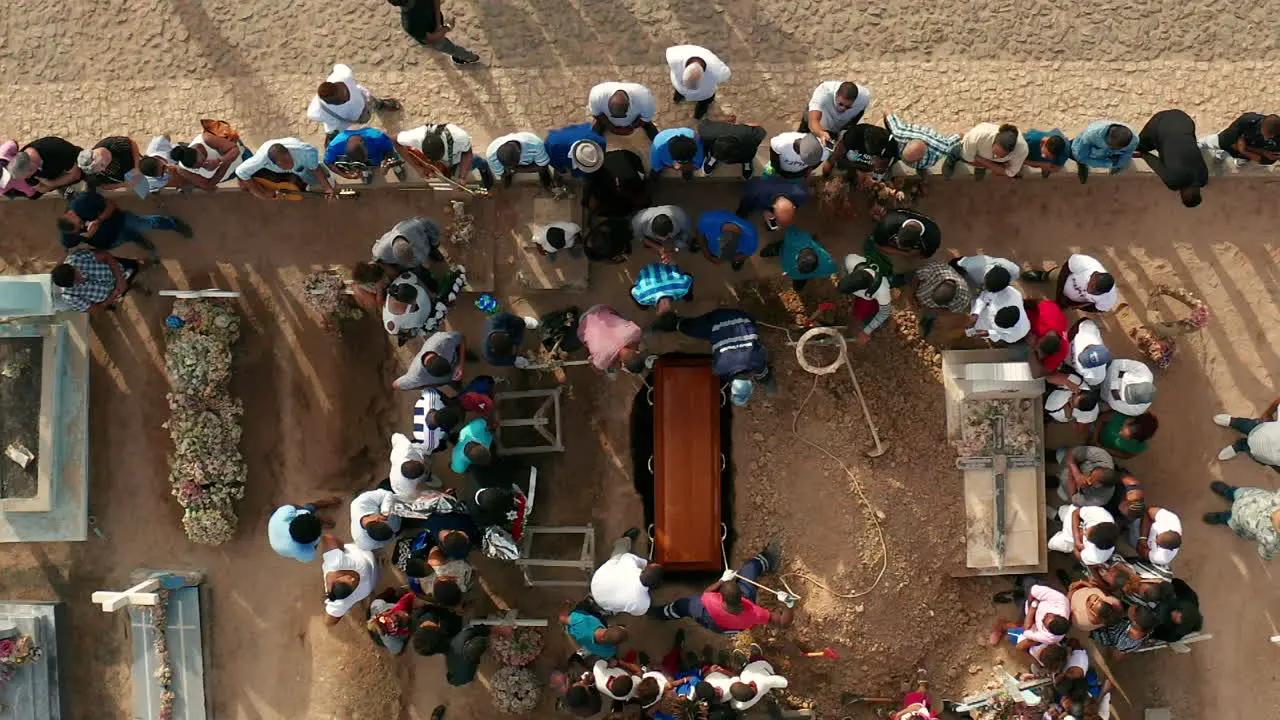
410,465
999,317
1261,439
621,107
1083,283
834,106
1088,532
1076,402
556,237
663,227
446,148
284,156
372,525
1130,388
519,152
872,297
1088,356
350,575
653,684
719,683
340,103
753,683
988,146
794,154
1160,537
614,682
696,73
986,272
623,582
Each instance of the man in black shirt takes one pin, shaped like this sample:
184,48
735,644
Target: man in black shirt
46,164
95,221
1253,137
618,188
906,232
863,148
1168,144
107,165
731,143
425,22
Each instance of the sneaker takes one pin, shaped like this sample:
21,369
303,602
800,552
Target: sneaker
679,639
1116,170
632,533
737,265
1082,172
1045,172
438,713
1035,276
1227,453
459,61
400,172
1222,419
1216,518
948,168
1217,487
709,166
183,228
531,323
748,169
979,173
927,321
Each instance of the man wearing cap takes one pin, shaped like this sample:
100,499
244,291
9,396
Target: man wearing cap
723,235
663,227
678,149
1104,144
1169,146
872,298
696,74
777,198
519,152
1082,283
561,143
41,166
999,316
1130,387
410,243
920,146
834,106
621,107
730,143
907,233
988,146
1088,356
794,155
1261,439
738,356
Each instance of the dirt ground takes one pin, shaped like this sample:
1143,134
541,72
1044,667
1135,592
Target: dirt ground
319,412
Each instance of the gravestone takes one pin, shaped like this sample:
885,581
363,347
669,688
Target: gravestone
186,657
34,693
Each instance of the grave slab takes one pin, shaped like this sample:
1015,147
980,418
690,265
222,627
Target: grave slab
186,656
34,693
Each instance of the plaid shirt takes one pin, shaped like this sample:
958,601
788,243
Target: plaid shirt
98,284
937,146
930,276
658,280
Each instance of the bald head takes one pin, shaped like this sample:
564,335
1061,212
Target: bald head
619,104
693,74
914,152
784,210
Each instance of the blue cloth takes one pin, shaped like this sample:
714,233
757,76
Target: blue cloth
759,193
1014,635
657,281
1090,147
735,341
709,227
513,326
475,431
282,542
685,691
378,143
560,140
660,153
795,240
1035,137
582,628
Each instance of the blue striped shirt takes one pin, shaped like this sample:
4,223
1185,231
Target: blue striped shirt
659,280
937,146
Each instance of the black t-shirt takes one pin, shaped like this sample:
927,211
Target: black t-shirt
730,143
121,149
1249,127
889,225
448,620
57,156
870,141
418,18
1171,135
618,187
89,206
459,670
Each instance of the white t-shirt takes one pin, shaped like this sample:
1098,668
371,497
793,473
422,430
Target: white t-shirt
979,142
403,450
417,315
716,71
988,304
350,557
824,101
882,293
785,145
1056,404
1120,374
616,585
1080,268
213,154
337,118
761,673
720,682
456,141
1086,334
371,502
975,268
643,106
1164,521
603,674
429,439
1090,516
571,233
1078,658
663,682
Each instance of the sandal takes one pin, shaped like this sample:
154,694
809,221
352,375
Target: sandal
391,105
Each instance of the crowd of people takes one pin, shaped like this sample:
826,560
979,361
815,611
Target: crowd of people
1121,591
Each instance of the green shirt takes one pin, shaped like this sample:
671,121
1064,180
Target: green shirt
1112,439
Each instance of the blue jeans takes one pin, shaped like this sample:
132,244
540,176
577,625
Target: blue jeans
479,165
1243,426
135,227
691,606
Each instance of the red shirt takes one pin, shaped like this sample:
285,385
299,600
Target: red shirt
1046,317
751,615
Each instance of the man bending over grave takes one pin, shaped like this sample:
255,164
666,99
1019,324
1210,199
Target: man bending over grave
737,355
350,575
728,606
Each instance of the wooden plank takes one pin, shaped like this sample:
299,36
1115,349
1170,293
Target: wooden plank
687,465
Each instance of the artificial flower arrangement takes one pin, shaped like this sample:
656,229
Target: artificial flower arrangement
15,652
207,471
516,688
325,291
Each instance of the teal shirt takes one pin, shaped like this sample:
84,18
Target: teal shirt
796,240
582,628
475,431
